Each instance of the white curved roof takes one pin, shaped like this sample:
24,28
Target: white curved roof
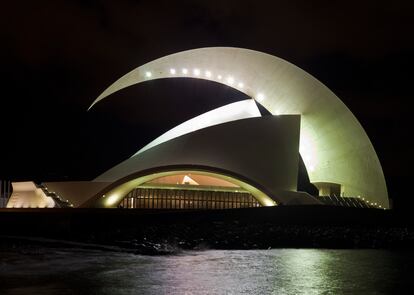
333,144
231,112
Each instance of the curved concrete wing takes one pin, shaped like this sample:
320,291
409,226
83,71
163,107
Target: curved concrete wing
231,112
333,144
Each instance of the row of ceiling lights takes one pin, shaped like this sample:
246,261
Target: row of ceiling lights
370,203
197,72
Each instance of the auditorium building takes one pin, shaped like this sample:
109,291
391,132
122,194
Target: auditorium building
234,156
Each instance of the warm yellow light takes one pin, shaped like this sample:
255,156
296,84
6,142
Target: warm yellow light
172,71
230,80
148,74
184,71
196,72
240,85
219,77
111,200
269,202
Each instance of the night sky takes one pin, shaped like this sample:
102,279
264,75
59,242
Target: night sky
58,56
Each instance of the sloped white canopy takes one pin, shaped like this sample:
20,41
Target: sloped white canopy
27,195
333,144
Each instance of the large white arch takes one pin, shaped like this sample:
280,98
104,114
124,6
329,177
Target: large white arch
333,144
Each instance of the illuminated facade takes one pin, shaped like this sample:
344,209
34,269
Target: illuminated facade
258,155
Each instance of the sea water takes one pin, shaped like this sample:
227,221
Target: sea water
38,270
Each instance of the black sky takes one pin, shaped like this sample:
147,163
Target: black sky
57,56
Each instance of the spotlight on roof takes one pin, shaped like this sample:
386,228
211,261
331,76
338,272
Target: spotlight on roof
172,71
148,74
219,77
208,74
184,71
240,85
230,80
196,72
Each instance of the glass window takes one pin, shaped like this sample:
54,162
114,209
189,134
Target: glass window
186,199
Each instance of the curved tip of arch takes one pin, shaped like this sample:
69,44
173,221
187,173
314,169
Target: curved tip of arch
91,106
98,99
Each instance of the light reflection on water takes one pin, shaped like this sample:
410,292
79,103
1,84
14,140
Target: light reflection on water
279,271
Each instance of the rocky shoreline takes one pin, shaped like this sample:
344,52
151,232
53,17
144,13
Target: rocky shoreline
159,233
173,239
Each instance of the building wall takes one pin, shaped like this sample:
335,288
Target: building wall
262,151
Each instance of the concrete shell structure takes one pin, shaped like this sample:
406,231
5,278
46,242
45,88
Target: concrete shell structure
333,145
260,154
232,155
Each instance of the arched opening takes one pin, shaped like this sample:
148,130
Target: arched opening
186,189
189,191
